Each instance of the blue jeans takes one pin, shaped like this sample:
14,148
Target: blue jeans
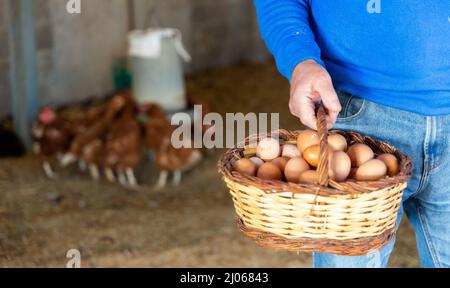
426,201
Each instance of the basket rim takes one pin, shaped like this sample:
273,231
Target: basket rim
350,186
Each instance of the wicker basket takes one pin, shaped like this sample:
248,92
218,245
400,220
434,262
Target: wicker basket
346,218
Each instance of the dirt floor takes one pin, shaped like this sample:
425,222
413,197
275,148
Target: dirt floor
187,226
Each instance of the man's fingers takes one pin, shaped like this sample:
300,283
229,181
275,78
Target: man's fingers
307,112
311,84
328,95
331,119
330,100
305,118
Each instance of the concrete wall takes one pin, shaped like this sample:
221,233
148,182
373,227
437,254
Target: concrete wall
216,32
84,48
76,52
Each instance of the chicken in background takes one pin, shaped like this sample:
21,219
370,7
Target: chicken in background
92,156
167,158
77,121
123,146
50,138
96,131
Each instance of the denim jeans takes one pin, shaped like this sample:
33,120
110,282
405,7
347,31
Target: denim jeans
426,201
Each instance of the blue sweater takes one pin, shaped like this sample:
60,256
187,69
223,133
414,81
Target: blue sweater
396,54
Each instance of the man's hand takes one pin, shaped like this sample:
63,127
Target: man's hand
311,83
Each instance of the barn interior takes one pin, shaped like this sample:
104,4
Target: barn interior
68,60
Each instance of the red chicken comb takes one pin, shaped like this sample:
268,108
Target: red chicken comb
47,115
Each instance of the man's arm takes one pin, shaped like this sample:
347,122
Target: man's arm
286,30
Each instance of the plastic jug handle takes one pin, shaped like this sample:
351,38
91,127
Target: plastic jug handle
180,47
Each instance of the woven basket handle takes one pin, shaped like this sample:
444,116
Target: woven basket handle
322,131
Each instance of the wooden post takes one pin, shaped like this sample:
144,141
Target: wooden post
131,15
23,66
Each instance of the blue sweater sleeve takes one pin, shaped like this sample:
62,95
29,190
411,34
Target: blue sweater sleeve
285,28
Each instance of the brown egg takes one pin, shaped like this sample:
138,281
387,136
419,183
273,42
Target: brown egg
339,166
309,177
360,154
352,174
372,170
268,149
307,139
280,162
269,171
391,162
290,151
295,167
257,161
311,155
337,142
245,166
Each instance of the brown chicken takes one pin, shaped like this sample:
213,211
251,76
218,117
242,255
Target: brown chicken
92,156
50,138
96,131
77,121
167,158
123,146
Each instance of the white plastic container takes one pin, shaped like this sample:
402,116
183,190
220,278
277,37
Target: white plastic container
156,63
